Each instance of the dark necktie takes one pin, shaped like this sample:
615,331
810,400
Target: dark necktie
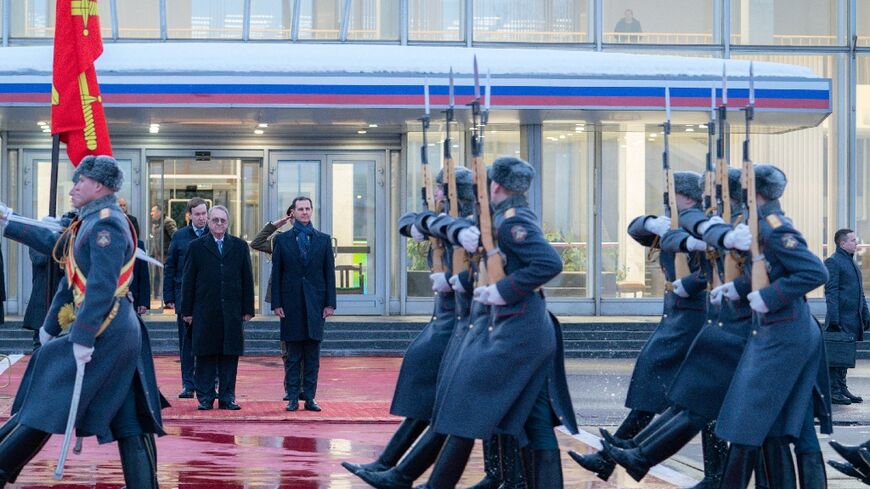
304,242
220,244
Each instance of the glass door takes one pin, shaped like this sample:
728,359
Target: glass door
349,204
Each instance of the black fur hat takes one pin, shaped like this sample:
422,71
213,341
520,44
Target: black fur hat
735,185
464,189
770,181
690,184
103,169
512,173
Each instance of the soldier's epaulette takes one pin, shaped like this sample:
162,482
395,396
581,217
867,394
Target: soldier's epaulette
510,213
773,220
105,213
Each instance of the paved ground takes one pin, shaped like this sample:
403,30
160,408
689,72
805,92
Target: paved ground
264,446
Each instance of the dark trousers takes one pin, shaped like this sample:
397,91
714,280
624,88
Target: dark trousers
838,379
185,351
539,425
126,423
302,363
224,367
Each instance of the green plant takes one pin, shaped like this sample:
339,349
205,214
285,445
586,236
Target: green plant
417,255
573,257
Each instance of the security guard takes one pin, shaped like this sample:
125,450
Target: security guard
682,318
773,387
520,334
414,396
119,398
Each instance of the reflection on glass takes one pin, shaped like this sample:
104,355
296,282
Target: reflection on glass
42,172
436,21
36,19
786,22
565,203
862,203
374,20
319,19
298,178
271,19
353,225
631,187
558,21
655,22
204,19
862,22
137,20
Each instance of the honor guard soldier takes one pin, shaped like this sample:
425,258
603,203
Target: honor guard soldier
119,398
414,396
771,394
682,318
520,333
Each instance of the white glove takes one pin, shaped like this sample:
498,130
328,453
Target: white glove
82,353
757,303
5,211
658,225
469,238
439,283
739,238
725,290
489,296
44,336
417,234
704,226
693,244
679,289
456,284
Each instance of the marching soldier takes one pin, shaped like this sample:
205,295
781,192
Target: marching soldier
119,399
414,396
682,318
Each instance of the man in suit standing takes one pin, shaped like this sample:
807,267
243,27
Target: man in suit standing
162,229
173,272
217,299
122,203
847,306
303,296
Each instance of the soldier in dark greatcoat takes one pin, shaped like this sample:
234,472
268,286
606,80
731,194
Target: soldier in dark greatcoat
682,318
119,398
785,345
414,396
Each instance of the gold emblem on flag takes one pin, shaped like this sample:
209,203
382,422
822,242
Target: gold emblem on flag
85,9
87,101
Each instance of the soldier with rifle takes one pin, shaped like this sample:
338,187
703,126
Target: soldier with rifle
118,398
684,264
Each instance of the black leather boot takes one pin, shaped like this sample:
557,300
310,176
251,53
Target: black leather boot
848,469
657,448
17,449
402,476
653,426
139,461
779,463
451,463
8,426
739,466
761,476
599,463
634,423
491,464
811,471
715,452
402,439
517,464
850,453
548,469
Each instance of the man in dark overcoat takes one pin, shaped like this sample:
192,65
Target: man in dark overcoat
683,315
119,398
217,301
847,307
173,274
303,296
140,287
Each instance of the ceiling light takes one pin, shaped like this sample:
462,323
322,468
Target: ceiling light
373,125
561,136
689,129
702,126
652,134
154,129
41,123
262,124
258,131
154,124
46,129
361,131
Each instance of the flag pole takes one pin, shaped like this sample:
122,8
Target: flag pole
52,269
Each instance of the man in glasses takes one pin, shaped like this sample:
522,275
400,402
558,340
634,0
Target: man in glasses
217,299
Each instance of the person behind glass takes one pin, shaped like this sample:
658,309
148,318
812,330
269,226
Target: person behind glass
847,306
173,273
627,24
122,203
217,299
162,229
303,296
263,242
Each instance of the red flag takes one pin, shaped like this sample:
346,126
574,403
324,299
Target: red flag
76,105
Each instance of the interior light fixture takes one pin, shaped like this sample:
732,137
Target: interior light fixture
262,124
258,131
373,125
361,131
154,129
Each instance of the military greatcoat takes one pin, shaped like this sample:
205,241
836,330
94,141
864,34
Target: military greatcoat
102,246
479,398
682,319
775,379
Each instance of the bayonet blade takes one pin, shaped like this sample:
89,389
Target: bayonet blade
724,84
668,104
751,85
450,93
486,97
476,81
426,97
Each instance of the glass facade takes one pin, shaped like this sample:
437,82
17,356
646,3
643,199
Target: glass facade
550,21
632,22
436,21
787,23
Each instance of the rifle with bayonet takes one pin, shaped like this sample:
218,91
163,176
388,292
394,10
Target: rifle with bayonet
491,268
732,261
460,257
427,190
681,261
712,191
760,278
